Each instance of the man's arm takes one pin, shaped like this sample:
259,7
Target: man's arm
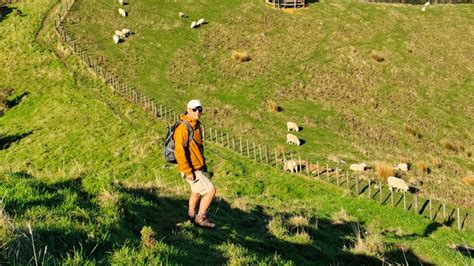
181,136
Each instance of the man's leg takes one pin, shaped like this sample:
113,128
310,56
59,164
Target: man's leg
206,201
192,203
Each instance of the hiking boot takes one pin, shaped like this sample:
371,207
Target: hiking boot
202,221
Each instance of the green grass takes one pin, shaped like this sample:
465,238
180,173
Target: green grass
84,169
316,64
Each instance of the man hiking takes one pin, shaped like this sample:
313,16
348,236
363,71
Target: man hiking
189,155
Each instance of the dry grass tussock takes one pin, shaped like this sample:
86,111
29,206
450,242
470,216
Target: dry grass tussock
421,167
367,243
240,56
411,131
448,145
341,217
469,180
147,237
384,170
108,198
272,106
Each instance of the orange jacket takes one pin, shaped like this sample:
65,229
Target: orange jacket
189,154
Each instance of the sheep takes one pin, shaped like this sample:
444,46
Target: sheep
126,32
360,167
116,39
122,12
201,21
119,34
292,126
290,165
181,15
194,25
397,183
427,4
423,8
402,167
121,2
292,139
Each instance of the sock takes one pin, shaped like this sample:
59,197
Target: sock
191,213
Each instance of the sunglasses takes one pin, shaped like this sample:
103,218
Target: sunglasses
199,108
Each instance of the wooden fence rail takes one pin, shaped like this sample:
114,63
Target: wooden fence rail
262,154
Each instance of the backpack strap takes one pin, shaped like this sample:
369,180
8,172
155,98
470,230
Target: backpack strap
190,129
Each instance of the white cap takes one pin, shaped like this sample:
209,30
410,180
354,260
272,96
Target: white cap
194,103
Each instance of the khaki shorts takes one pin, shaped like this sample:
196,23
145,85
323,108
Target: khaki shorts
201,184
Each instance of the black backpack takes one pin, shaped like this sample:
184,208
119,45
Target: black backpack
168,149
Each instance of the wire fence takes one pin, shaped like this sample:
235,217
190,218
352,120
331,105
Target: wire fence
435,209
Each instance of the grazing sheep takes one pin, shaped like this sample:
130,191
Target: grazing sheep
122,12
181,15
292,139
427,4
402,167
397,183
291,166
423,8
292,126
126,32
119,34
116,39
359,167
121,2
201,21
194,25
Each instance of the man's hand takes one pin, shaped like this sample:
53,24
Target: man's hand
190,176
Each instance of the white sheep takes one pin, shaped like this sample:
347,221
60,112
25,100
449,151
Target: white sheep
292,139
201,21
397,183
116,39
402,167
292,126
359,167
194,25
181,15
427,4
290,165
122,12
121,2
119,34
423,8
126,32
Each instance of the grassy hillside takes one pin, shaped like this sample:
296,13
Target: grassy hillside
367,82
81,176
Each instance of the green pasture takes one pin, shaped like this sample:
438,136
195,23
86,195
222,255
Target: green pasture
318,65
83,182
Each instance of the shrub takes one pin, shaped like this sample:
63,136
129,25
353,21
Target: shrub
367,243
240,56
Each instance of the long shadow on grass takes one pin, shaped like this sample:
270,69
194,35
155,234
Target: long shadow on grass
6,141
65,217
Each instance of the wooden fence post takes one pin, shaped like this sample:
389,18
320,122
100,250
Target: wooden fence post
327,172
248,151
431,215
276,158
459,219
404,201
307,166
260,151
241,149
254,151
444,212
380,192
266,154
370,194
357,185
337,176
391,196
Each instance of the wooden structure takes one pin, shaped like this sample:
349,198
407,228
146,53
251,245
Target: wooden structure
287,3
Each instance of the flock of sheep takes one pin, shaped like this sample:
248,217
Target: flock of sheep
292,165
121,35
